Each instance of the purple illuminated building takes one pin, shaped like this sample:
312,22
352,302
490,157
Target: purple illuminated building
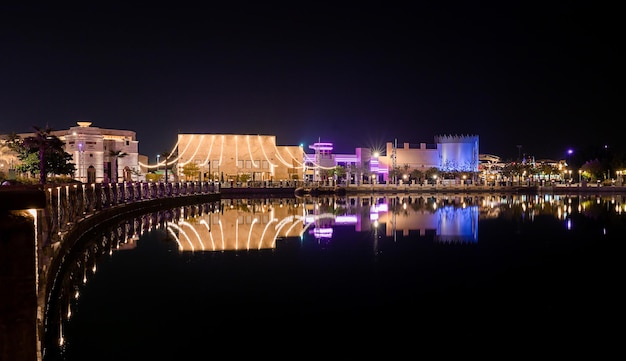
448,153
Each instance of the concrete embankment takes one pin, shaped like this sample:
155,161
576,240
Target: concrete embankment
429,189
255,192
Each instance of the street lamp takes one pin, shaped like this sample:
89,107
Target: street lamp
580,171
570,176
81,158
158,165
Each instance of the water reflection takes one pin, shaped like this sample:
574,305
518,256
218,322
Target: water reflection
245,224
238,224
260,224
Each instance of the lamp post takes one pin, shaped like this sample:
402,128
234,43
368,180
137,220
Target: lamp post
81,157
158,166
570,176
580,171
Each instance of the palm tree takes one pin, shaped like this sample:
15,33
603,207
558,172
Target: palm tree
166,156
116,154
417,175
340,172
45,142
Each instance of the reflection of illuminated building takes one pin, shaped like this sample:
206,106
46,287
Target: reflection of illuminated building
242,225
245,224
449,223
458,224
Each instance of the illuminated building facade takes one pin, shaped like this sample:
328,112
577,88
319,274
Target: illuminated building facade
226,157
92,150
448,153
256,158
358,166
232,157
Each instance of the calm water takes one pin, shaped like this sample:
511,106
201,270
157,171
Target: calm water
359,275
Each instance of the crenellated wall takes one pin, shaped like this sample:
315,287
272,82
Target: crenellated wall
449,153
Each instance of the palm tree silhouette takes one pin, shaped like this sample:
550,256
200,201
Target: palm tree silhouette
45,142
166,156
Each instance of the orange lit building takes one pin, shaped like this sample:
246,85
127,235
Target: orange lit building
233,157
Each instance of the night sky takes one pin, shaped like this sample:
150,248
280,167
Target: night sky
540,75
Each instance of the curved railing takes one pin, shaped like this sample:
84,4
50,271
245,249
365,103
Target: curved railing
68,203
72,209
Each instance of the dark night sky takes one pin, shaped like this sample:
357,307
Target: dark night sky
360,74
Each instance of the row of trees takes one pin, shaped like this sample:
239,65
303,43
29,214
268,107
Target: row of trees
592,170
363,174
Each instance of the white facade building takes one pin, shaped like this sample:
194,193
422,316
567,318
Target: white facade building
92,150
